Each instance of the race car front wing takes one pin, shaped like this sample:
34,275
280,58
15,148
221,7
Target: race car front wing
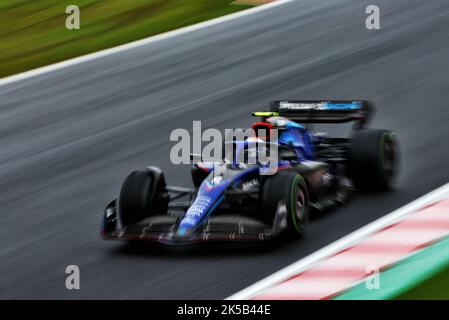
162,229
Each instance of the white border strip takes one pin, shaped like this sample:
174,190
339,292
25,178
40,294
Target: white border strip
305,263
139,43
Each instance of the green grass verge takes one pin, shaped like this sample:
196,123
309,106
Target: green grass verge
33,32
435,288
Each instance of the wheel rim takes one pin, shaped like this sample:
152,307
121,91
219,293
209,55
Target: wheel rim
299,208
298,204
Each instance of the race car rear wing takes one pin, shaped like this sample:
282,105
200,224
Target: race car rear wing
321,111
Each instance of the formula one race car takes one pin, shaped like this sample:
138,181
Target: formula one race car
236,201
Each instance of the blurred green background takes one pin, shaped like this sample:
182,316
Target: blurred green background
33,32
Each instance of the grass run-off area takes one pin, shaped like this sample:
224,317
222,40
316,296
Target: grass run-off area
435,288
33,32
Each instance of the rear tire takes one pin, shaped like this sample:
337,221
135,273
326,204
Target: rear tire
286,191
373,159
142,195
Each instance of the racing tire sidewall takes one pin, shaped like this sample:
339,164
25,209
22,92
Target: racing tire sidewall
142,195
297,207
373,160
283,189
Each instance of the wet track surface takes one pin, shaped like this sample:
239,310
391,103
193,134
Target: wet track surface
68,139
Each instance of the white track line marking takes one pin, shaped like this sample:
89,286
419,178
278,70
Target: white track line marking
330,250
406,237
139,43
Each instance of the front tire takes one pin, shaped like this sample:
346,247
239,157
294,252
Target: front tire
286,191
142,195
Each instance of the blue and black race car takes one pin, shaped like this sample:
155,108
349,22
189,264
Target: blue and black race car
236,201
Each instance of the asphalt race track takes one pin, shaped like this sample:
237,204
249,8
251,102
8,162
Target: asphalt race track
68,138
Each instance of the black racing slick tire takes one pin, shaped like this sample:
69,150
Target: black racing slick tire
373,159
286,191
142,195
